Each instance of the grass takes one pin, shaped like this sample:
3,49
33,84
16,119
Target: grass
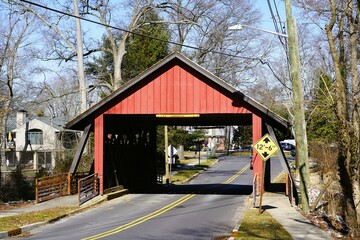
19,220
184,175
261,226
246,154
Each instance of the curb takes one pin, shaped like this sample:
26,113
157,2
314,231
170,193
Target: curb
89,204
235,231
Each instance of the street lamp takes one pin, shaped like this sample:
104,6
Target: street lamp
241,26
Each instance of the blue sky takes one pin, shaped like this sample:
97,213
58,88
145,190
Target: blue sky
267,22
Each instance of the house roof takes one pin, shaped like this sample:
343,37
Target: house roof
86,118
58,123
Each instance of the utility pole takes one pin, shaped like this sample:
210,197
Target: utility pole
80,60
298,105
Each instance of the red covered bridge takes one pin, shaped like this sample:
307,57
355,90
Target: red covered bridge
175,92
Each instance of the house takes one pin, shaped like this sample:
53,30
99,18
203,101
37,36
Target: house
38,141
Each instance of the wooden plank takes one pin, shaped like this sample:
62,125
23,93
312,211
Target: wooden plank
131,103
209,99
163,94
80,149
183,91
224,101
88,188
150,97
144,100
177,91
217,102
190,93
99,149
169,75
137,102
203,97
157,95
54,180
197,99
257,161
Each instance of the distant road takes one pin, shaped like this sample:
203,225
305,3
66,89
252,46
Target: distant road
207,207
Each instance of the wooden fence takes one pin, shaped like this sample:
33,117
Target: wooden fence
50,187
88,188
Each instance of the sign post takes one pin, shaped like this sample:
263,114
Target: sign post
265,147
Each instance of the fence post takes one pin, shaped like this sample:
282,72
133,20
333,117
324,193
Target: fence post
79,190
69,183
254,189
36,191
95,183
286,184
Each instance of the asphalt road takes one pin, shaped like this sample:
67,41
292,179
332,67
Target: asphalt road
207,207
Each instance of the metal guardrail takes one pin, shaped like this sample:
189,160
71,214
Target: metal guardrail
50,187
88,188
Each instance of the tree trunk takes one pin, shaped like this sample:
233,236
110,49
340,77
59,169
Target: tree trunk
80,60
348,142
118,57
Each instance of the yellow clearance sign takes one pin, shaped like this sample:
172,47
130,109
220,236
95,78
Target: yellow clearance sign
266,147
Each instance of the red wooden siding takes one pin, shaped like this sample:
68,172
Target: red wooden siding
176,91
99,149
256,135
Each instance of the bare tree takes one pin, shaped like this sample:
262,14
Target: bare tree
339,22
15,27
64,42
226,53
103,10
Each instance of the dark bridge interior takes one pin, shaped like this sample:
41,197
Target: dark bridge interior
130,155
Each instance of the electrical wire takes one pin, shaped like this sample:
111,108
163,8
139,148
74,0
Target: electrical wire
279,28
138,34
165,41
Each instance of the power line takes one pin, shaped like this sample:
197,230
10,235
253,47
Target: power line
138,34
279,28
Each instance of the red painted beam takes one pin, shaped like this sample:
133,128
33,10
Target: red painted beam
99,150
257,133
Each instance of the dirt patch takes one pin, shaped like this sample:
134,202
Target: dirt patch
14,205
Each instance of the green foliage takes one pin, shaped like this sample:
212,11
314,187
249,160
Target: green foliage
143,52
63,161
322,121
42,172
16,187
242,136
178,136
101,67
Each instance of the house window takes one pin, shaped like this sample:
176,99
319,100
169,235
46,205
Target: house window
35,136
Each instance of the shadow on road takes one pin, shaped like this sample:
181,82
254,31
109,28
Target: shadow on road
223,189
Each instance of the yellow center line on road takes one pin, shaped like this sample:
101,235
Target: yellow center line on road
142,219
157,212
237,174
